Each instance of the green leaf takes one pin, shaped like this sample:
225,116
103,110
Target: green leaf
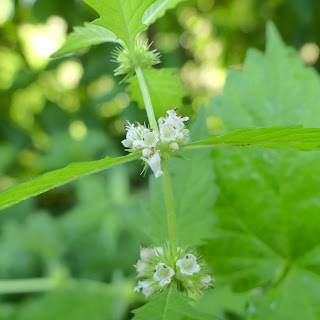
57,178
267,231
275,137
169,305
84,37
122,17
164,88
158,9
296,298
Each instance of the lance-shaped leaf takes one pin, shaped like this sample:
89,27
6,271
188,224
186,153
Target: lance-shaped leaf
57,178
169,305
84,37
306,139
164,87
158,9
122,17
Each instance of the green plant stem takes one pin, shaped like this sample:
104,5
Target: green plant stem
167,190
146,98
171,215
26,285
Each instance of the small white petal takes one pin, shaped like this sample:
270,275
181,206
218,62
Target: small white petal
127,143
156,277
137,144
196,268
154,161
164,282
146,152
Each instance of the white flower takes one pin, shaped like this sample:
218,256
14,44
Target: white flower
163,273
205,282
133,135
172,127
149,138
154,161
168,133
188,265
147,288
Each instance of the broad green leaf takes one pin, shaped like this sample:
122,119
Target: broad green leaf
158,9
169,305
267,231
84,37
164,87
57,178
274,137
192,181
122,17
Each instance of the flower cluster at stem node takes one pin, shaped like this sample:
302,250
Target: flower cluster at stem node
154,146
159,267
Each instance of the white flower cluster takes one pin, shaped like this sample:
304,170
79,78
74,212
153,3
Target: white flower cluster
158,267
151,144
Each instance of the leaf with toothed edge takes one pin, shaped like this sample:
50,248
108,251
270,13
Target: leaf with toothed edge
267,232
122,17
84,37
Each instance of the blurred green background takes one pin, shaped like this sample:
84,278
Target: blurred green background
55,111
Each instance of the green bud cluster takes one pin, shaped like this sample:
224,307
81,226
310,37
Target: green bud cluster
141,57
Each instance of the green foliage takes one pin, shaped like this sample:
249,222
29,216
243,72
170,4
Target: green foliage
84,37
164,88
82,301
158,9
267,231
122,17
274,137
170,305
57,178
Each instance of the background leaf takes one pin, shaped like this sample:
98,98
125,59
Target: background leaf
126,16
164,87
268,207
84,37
56,178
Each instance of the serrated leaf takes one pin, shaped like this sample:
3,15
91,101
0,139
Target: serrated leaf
267,233
122,17
169,305
300,138
84,37
158,9
164,88
57,178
